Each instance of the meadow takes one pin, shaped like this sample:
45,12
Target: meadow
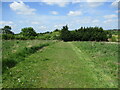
58,64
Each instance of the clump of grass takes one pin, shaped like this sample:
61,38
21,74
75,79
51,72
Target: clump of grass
45,59
17,42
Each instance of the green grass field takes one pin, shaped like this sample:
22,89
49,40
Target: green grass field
62,65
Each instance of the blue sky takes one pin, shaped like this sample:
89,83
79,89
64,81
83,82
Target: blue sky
47,16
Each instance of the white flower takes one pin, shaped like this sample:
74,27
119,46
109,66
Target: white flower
18,80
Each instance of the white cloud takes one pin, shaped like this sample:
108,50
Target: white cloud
35,22
54,12
42,28
95,21
110,20
9,23
110,16
115,3
95,4
60,3
86,20
59,26
76,1
6,22
74,13
21,8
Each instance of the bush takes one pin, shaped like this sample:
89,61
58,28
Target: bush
20,38
8,63
114,39
8,36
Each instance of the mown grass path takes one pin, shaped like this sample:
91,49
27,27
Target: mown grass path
61,65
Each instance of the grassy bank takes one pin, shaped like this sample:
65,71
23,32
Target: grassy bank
16,51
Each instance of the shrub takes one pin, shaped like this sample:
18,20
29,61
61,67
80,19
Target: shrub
113,39
7,36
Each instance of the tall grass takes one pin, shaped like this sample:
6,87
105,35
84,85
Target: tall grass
104,58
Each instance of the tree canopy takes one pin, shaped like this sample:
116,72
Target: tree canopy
7,30
81,34
84,34
28,32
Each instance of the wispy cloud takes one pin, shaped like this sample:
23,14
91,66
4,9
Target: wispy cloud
74,13
42,27
110,16
108,21
95,4
9,23
35,22
6,22
56,2
59,26
115,3
95,21
22,8
54,12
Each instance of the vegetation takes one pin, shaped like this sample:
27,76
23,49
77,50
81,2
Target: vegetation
65,65
38,60
81,34
7,30
29,33
113,35
7,33
84,34
18,51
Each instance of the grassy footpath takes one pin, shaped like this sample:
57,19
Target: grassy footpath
65,65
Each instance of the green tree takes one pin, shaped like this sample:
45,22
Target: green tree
28,32
65,34
7,30
7,33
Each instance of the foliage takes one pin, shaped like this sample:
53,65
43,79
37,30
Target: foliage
7,30
114,39
7,33
84,34
65,34
113,32
8,36
81,34
49,36
28,32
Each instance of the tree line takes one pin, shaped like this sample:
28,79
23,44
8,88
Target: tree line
81,34
84,34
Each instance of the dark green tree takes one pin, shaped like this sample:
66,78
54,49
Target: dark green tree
65,33
28,32
7,33
7,30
